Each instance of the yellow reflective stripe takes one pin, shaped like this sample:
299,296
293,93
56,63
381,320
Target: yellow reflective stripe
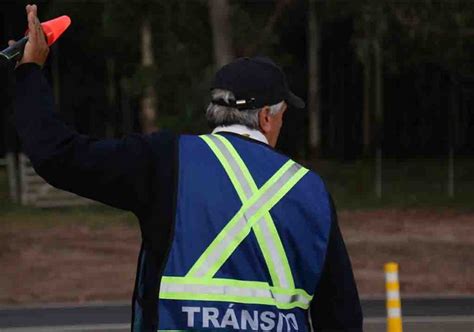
391,267
218,239
266,254
269,222
281,253
253,187
395,303
216,281
226,166
262,202
242,196
239,161
392,286
246,230
199,284
230,173
179,288
235,282
191,296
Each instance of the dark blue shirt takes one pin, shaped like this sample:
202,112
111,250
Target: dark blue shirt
138,173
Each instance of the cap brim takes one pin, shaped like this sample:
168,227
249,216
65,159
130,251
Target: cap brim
294,101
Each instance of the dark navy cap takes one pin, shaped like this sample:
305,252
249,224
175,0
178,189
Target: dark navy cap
255,82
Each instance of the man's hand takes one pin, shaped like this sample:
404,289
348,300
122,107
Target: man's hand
36,49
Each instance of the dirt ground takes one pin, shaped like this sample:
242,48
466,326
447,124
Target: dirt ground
81,263
435,249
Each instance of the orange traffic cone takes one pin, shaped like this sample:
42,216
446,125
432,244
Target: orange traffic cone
54,28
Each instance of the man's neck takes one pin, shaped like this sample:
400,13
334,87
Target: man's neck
244,131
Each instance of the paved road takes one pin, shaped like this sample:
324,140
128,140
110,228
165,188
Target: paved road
425,315
420,315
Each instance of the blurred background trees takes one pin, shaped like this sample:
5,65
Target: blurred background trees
388,74
394,78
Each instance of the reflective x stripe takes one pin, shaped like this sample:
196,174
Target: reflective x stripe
200,284
240,225
265,230
232,290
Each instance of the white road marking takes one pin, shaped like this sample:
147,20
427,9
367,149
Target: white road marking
424,319
126,327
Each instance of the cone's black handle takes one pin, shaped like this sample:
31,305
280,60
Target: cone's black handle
15,51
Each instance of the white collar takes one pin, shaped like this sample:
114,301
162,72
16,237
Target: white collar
244,131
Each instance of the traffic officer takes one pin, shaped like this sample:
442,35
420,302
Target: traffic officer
235,235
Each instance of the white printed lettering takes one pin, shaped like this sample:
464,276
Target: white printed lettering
190,311
246,318
210,315
230,319
287,318
267,318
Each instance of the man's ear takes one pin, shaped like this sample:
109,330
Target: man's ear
264,119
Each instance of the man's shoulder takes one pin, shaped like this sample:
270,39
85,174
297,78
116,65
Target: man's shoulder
161,139
161,144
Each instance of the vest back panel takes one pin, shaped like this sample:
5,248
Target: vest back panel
207,201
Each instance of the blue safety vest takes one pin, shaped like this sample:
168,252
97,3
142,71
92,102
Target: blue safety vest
249,240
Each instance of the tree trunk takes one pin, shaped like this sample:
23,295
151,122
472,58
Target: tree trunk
265,33
379,88
366,115
314,134
378,114
148,103
110,90
127,113
219,12
111,97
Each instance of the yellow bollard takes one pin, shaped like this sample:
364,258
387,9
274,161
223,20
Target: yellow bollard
394,308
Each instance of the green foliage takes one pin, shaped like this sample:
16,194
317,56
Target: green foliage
182,46
411,33
182,50
412,183
248,23
434,32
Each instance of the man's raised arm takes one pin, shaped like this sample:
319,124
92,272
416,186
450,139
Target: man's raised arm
115,172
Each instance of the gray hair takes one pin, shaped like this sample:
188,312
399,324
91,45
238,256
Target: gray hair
218,115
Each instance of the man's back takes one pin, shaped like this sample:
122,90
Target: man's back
251,231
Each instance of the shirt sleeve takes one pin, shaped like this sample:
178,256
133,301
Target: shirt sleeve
115,172
336,305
